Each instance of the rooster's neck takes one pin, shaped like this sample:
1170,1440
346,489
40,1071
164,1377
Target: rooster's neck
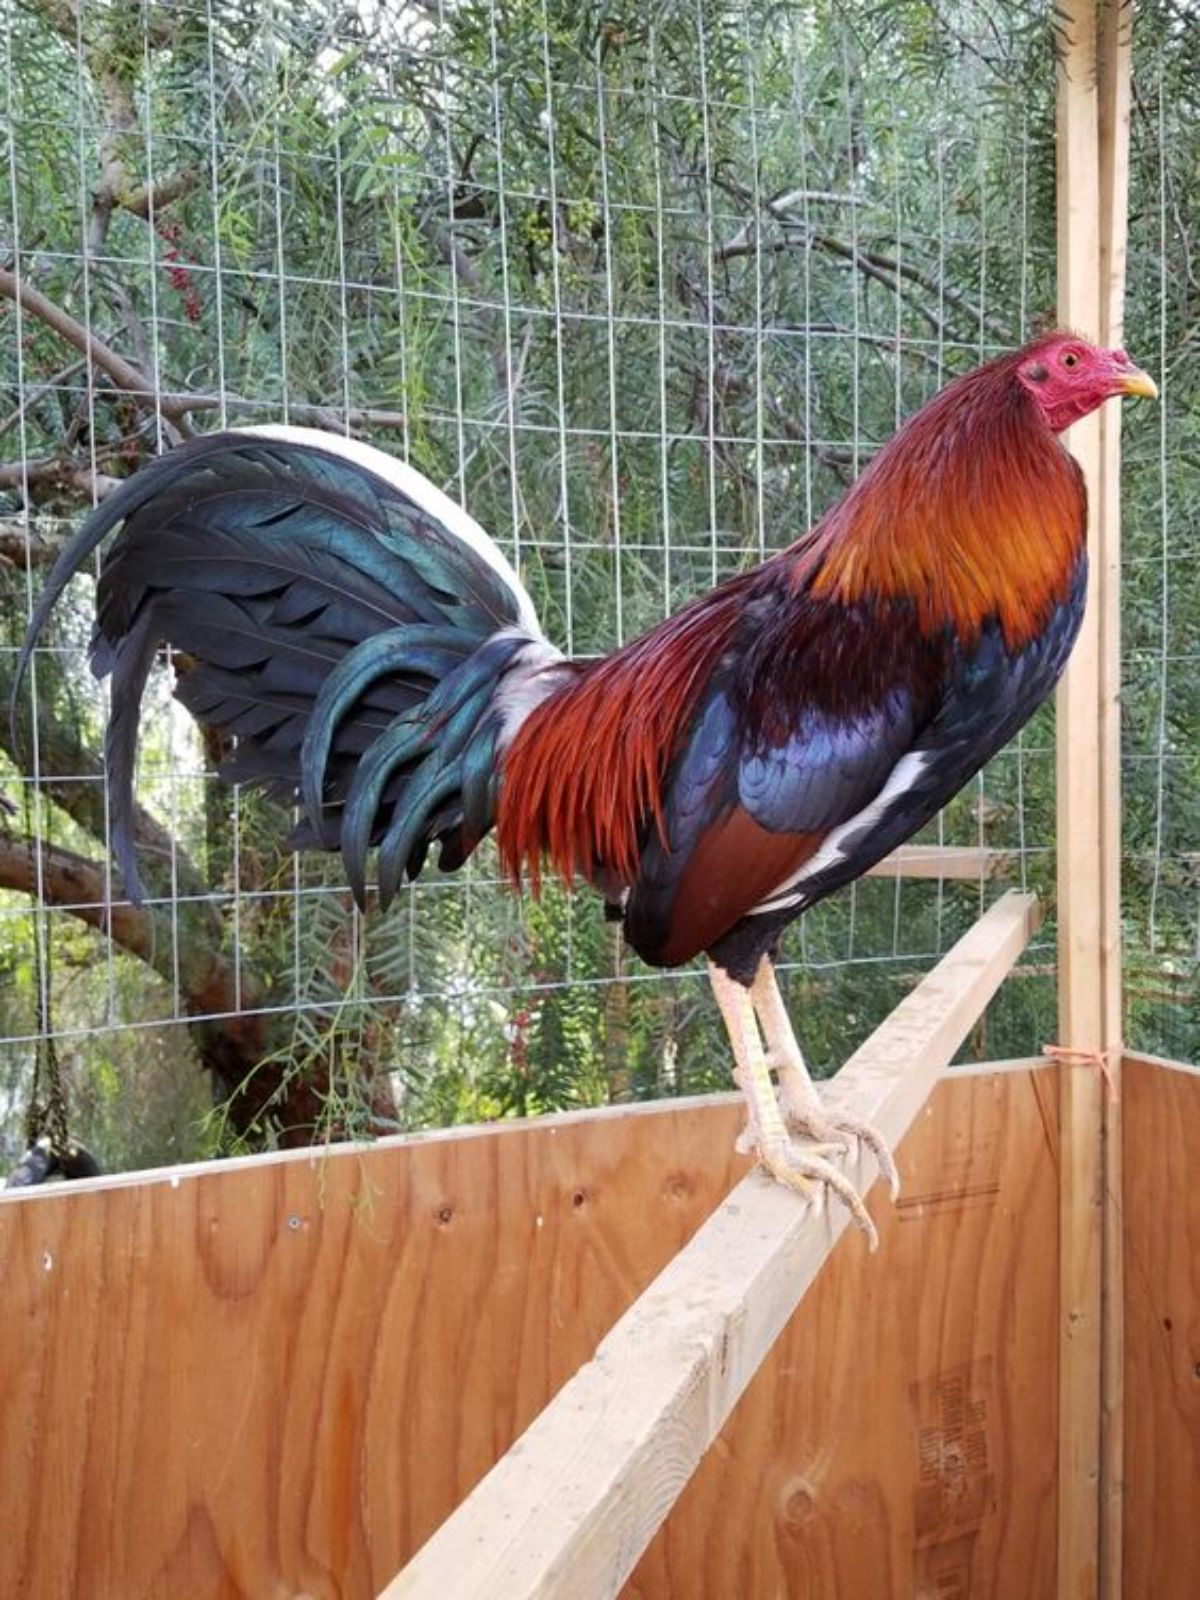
973,511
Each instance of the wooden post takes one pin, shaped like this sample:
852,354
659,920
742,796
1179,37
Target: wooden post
1092,181
1113,51
1081,1011
569,1510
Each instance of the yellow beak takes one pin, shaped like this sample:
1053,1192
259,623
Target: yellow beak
1138,382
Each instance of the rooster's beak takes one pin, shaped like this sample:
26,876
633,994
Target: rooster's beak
1139,383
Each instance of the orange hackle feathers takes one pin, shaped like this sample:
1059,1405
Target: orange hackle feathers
587,766
973,511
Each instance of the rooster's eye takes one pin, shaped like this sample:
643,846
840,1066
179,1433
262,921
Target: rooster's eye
1070,359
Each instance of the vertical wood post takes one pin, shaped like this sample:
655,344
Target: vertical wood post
1113,57
1093,131
1079,886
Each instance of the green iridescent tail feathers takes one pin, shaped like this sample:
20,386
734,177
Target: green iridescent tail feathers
330,610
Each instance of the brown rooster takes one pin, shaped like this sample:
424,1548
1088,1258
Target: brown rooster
376,657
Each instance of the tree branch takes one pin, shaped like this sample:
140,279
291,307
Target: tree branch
231,1039
230,1043
872,263
72,774
39,392
127,377
78,885
22,544
197,403
727,384
888,271
58,473
114,76
150,198
324,416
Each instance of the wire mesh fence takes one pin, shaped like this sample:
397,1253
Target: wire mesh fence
644,288
1161,710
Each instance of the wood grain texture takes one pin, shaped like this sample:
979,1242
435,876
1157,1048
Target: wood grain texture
946,862
899,1444
203,1398
1081,897
277,1377
1161,1126
1114,76
569,1510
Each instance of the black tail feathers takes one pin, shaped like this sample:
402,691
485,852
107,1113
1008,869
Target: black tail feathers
338,615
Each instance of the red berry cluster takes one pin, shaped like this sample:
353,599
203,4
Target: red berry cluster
181,279
522,1021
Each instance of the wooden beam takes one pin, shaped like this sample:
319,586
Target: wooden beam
1078,838
1113,48
954,863
571,1507
1093,118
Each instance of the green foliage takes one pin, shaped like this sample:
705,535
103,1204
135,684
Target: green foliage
644,286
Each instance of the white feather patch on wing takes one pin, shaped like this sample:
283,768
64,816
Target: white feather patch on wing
418,489
529,679
903,776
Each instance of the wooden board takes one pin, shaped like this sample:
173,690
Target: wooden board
1086,888
1162,1330
899,1444
1114,82
277,1376
947,862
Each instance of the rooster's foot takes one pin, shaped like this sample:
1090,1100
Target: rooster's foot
802,1165
809,1119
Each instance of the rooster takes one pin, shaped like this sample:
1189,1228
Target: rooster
376,658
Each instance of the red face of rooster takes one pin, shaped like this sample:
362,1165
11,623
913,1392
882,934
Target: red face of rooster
1069,377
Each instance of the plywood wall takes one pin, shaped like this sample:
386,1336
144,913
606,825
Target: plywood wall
1161,1120
276,1378
901,1444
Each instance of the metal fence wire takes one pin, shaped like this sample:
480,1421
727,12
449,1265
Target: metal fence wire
643,287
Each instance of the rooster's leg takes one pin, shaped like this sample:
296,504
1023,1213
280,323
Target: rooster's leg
803,1110
800,1164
